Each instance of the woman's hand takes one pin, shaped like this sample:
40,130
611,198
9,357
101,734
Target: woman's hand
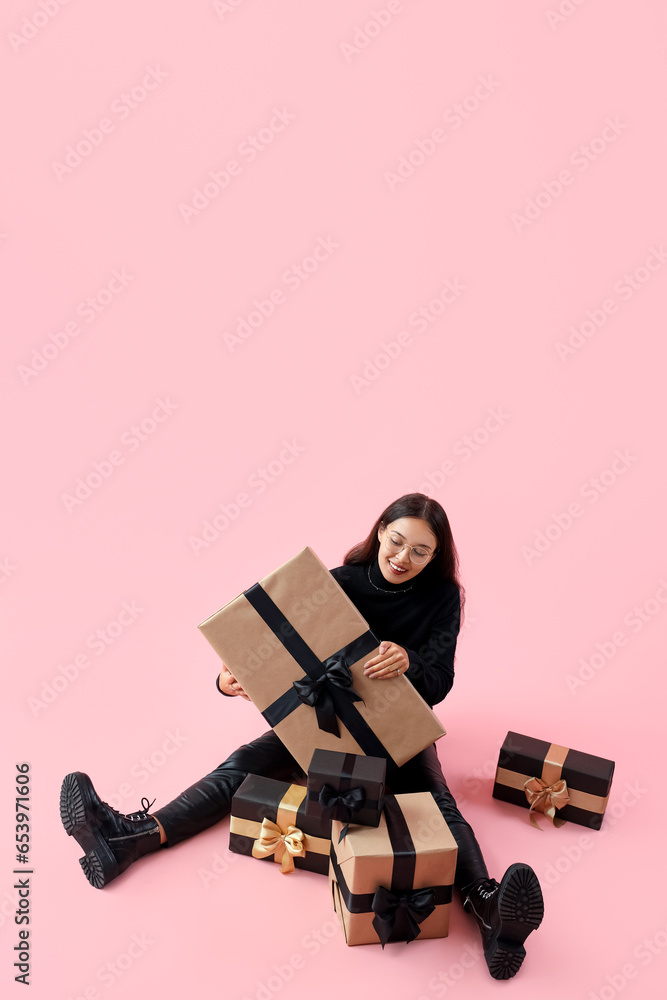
229,684
392,661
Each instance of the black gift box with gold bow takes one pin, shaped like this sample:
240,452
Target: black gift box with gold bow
268,821
549,778
346,786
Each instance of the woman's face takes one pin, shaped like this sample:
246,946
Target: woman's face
394,556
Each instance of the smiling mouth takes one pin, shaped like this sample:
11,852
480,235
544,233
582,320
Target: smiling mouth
396,569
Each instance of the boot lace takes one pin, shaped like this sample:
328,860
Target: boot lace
145,806
481,890
487,888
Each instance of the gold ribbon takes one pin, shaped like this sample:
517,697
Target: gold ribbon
550,792
283,839
284,845
546,799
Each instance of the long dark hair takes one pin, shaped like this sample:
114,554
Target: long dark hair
445,563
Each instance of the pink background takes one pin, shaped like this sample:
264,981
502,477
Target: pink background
491,106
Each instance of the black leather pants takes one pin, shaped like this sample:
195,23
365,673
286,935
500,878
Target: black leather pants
209,800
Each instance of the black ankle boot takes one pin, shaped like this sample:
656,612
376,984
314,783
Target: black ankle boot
506,913
111,840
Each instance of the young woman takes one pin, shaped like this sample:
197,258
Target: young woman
404,580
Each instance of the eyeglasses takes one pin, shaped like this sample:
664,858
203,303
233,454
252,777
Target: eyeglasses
395,545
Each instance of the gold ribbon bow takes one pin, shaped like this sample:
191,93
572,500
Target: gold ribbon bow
285,845
548,792
546,799
282,839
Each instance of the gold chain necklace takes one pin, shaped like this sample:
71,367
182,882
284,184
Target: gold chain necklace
382,590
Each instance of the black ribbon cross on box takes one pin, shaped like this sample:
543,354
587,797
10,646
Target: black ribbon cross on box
348,802
399,909
328,686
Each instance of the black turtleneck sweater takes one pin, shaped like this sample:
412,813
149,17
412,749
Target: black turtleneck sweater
423,615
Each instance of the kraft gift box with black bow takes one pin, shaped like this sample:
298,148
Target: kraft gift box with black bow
394,882
549,778
297,645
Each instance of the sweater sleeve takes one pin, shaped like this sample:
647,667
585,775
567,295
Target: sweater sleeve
431,667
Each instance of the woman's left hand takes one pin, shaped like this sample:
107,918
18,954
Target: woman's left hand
392,661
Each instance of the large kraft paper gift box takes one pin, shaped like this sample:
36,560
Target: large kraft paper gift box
268,821
297,645
394,882
549,778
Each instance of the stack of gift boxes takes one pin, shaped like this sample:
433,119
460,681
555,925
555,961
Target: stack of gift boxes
297,645
390,859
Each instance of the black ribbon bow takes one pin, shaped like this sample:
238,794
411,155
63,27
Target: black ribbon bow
417,905
316,692
349,801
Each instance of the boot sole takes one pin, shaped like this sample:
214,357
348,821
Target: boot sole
76,796
504,958
521,909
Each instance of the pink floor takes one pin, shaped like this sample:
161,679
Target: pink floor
266,268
